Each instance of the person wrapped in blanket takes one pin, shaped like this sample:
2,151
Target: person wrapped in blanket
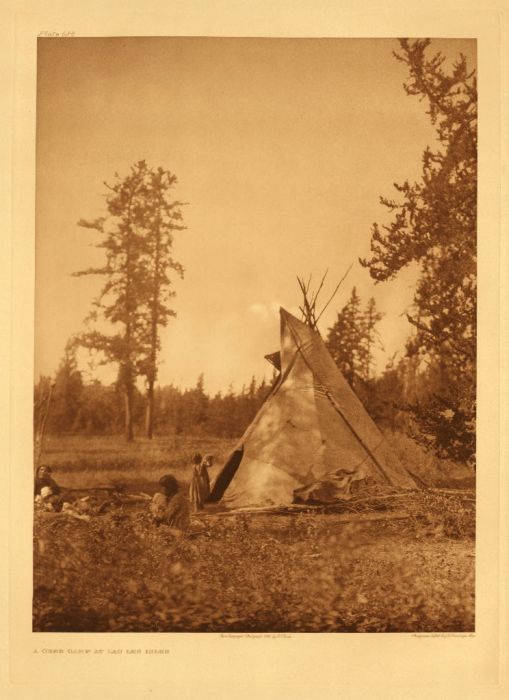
169,506
48,494
199,488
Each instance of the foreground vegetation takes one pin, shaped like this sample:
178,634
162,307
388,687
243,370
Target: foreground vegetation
247,572
306,572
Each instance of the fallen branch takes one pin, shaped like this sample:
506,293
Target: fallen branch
289,510
354,501
141,496
135,497
89,488
455,492
264,509
364,517
77,516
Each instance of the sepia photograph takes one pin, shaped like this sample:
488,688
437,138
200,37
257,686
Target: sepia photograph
255,335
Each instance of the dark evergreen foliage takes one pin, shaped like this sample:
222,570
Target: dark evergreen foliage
352,338
96,409
434,225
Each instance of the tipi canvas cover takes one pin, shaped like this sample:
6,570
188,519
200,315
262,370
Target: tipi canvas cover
312,439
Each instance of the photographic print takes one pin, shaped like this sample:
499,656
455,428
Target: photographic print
255,335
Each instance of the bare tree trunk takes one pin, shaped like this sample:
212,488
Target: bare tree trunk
128,396
149,416
130,307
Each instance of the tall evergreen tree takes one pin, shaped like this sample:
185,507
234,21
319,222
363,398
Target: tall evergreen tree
345,338
434,224
162,216
353,337
370,338
119,300
67,393
136,236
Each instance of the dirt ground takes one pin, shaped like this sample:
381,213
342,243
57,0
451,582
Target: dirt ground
305,572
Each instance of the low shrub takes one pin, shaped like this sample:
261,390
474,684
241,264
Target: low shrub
425,464
307,573
450,515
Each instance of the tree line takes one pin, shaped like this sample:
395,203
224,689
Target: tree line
79,408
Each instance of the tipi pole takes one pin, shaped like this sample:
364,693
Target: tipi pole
39,438
371,454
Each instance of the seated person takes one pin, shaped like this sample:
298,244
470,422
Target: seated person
43,478
47,489
169,506
43,500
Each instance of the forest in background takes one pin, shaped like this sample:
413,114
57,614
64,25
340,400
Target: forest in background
391,398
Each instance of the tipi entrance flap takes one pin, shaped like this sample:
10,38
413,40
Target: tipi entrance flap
226,475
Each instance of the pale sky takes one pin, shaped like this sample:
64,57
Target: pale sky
281,147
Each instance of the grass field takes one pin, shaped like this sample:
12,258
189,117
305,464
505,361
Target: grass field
93,461
245,572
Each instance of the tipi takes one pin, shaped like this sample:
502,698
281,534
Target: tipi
312,440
